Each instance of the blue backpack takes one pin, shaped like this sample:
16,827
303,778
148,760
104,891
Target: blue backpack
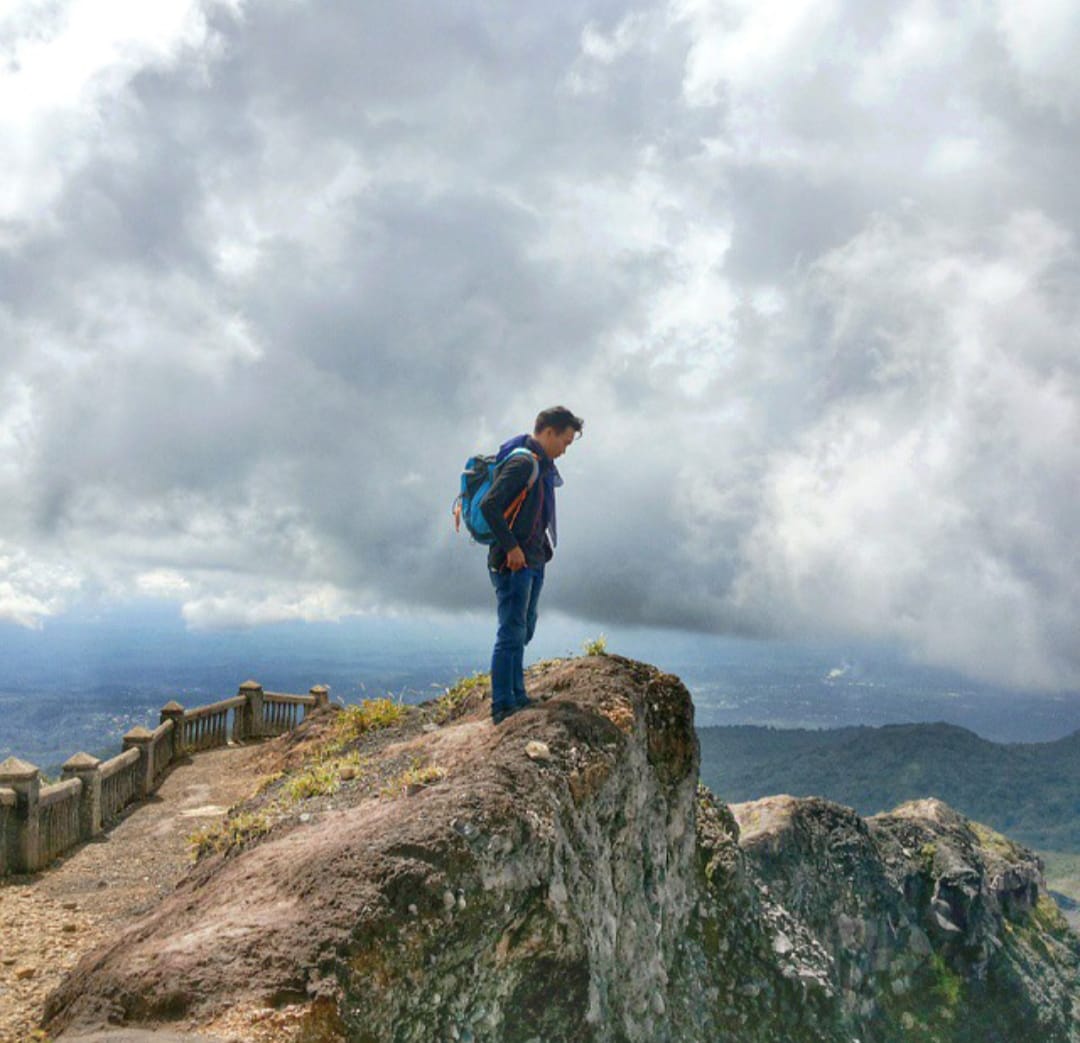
476,480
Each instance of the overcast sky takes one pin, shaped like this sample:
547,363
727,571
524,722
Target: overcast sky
269,272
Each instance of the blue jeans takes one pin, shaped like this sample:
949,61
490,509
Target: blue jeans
517,594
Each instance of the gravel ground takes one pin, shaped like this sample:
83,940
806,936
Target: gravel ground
50,919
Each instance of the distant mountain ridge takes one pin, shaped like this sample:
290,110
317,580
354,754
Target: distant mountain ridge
1031,791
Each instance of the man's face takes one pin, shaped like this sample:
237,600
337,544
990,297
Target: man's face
555,443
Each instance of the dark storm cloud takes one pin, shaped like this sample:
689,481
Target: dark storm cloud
809,272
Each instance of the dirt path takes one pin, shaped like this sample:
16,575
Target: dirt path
48,920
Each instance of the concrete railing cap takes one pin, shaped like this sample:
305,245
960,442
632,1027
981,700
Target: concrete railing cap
249,685
139,732
81,762
172,706
14,769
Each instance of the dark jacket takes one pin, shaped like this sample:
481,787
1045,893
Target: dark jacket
529,530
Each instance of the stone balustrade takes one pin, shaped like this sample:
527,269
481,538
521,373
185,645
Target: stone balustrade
58,810
8,800
40,822
282,713
119,784
208,727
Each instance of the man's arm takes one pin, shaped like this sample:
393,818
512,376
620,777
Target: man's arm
511,478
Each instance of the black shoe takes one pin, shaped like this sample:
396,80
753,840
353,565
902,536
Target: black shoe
498,716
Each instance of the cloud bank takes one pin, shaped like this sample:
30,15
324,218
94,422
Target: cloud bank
809,269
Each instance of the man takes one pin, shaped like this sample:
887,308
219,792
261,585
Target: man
525,538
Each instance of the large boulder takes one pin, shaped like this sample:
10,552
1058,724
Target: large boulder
561,877
539,889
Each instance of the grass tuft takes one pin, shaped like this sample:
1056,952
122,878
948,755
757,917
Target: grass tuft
417,776
318,779
447,705
597,646
368,716
232,832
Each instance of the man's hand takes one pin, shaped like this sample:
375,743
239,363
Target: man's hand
515,559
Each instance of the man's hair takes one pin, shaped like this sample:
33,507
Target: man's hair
558,417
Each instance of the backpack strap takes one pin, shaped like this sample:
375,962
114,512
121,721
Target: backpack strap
521,451
511,512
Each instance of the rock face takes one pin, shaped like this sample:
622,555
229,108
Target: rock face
562,877
913,925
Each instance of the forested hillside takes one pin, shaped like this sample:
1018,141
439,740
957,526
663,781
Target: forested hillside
1030,791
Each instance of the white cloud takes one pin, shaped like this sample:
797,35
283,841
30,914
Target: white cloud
62,66
1042,39
809,271
924,504
162,583
607,47
318,604
32,590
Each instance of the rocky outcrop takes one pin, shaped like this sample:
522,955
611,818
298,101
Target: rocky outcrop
562,877
912,925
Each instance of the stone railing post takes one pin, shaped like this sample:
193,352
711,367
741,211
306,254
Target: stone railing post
87,770
142,739
252,691
25,780
322,696
8,800
173,711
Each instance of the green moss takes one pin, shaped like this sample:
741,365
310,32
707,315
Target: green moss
710,936
948,987
994,841
1047,916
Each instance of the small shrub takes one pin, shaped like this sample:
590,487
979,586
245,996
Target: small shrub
597,646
